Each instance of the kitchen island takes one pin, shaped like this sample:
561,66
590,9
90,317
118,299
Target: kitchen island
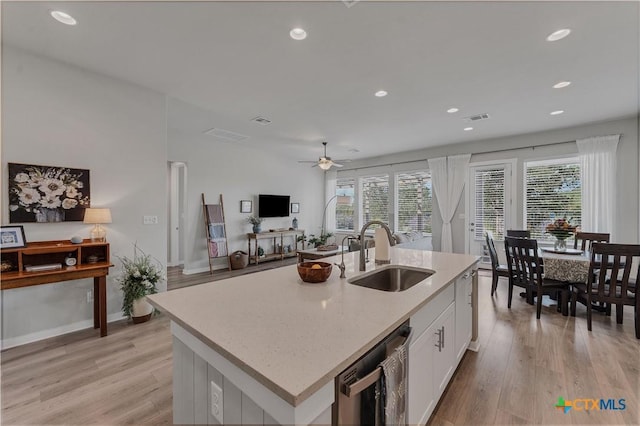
265,348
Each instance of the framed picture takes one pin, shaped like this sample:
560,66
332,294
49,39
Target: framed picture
295,207
47,193
12,237
246,206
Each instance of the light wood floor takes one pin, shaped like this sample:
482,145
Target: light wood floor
522,368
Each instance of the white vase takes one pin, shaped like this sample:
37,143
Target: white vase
141,310
49,215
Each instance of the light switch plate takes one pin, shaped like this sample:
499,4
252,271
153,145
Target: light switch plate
150,220
217,403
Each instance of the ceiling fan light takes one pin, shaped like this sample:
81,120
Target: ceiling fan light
324,165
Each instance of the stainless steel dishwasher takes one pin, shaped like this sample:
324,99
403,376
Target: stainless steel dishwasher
358,400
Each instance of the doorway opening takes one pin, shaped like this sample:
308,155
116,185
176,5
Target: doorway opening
177,213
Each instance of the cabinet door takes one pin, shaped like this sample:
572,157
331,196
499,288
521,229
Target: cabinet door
444,361
464,314
421,397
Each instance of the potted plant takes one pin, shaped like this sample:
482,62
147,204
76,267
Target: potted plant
139,278
255,221
316,241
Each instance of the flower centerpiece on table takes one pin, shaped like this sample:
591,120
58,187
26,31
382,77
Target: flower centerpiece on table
139,278
255,221
561,229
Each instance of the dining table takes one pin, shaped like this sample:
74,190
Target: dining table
569,265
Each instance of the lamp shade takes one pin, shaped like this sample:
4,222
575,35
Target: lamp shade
97,215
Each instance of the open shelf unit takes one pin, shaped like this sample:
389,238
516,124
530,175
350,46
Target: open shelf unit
278,239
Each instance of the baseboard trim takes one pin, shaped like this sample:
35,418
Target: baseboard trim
12,342
197,270
474,346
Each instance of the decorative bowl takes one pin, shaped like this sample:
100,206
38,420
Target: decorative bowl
318,274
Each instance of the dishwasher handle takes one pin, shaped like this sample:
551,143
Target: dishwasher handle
355,388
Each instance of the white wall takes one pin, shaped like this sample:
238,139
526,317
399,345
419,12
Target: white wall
519,148
238,172
58,115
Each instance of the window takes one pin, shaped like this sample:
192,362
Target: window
552,191
375,198
345,196
489,202
415,202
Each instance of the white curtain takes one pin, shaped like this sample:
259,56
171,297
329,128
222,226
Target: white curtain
448,176
598,175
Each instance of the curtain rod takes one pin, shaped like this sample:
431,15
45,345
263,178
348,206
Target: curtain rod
532,147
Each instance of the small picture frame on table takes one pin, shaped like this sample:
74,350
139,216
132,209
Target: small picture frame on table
12,237
295,207
246,206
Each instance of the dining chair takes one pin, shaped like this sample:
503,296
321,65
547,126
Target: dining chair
497,269
519,233
612,279
525,271
587,238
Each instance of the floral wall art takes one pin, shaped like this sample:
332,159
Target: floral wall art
47,193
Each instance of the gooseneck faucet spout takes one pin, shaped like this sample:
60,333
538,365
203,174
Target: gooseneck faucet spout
392,242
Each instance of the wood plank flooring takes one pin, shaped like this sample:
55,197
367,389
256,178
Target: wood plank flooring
522,368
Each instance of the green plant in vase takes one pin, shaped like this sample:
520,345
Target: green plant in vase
255,221
316,241
139,278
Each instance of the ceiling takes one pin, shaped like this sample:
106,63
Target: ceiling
224,63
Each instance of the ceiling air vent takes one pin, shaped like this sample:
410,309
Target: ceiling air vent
477,117
226,135
261,120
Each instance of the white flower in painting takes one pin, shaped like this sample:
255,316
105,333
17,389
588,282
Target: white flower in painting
72,192
69,203
52,187
13,207
29,196
80,185
50,202
22,178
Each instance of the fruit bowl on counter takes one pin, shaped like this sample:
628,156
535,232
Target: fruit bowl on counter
314,272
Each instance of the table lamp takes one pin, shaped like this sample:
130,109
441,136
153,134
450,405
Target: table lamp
97,217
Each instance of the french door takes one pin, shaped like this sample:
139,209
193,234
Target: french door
490,205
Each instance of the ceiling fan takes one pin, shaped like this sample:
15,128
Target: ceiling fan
325,162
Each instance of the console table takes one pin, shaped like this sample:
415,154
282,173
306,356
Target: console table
92,260
275,236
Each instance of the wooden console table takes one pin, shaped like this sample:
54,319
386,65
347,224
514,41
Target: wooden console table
92,261
276,236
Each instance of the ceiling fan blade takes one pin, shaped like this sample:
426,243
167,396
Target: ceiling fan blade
337,165
306,161
343,161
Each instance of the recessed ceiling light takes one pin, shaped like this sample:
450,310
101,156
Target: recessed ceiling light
468,129
558,112
561,84
558,35
65,18
298,34
452,110
381,93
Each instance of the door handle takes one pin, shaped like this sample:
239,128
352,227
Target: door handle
443,336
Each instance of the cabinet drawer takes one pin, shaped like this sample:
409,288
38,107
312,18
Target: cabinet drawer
429,312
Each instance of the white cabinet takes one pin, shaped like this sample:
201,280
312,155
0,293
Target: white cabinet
464,313
431,364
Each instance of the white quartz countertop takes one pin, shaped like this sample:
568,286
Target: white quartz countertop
295,337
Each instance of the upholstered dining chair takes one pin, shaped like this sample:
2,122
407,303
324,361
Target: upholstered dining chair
519,233
613,277
525,271
588,238
497,269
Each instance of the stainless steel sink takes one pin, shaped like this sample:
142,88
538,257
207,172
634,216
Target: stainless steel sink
392,278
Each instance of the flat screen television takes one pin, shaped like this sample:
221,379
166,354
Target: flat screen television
273,205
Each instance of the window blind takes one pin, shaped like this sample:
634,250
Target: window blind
415,202
489,203
375,198
345,196
553,191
